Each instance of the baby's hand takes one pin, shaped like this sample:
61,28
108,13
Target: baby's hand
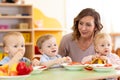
35,62
19,54
59,61
67,59
62,60
96,56
104,57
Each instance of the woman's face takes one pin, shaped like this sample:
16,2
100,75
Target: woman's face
86,26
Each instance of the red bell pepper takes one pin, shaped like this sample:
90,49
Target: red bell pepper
24,68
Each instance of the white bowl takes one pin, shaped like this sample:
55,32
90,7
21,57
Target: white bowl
19,77
38,69
73,67
102,68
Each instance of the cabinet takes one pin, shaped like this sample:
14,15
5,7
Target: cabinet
18,17
116,42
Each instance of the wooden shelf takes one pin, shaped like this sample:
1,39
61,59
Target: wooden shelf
27,44
15,17
115,34
14,5
12,15
22,30
49,29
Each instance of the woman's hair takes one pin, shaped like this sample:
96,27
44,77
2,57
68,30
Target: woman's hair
86,12
10,34
42,39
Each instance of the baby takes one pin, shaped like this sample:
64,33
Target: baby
14,46
103,47
48,47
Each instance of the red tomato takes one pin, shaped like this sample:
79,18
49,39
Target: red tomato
107,65
74,63
89,68
24,68
43,67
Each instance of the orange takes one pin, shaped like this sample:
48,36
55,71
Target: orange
13,73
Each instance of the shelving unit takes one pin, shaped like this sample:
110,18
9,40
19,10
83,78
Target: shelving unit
11,16
115,37
14,14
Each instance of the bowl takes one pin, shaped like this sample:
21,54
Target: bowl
73,67
38,69
103,68
19,77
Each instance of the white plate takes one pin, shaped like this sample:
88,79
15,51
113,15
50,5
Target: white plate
21,77
102,68
73,67
38,69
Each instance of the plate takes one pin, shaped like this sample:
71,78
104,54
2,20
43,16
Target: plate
102,68
38,69
73,67
21,77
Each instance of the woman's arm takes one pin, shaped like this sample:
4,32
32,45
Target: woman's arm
64,45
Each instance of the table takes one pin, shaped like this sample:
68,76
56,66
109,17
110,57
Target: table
63,74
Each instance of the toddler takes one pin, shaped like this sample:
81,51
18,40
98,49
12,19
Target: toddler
103,48
48,47
14,46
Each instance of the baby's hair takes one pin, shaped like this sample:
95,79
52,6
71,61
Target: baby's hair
42,39
101,36
9,34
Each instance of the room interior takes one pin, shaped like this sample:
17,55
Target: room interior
42,17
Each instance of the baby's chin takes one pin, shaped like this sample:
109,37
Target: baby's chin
106,53
54,54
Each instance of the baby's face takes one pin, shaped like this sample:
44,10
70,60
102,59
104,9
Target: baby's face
104,46
14,44
49,47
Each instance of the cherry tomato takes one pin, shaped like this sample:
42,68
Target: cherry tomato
107,65
89,68
74,63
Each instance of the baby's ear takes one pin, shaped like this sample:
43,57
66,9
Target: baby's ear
41,51
95,48
6,50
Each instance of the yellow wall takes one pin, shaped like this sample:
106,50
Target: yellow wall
58,35
47,22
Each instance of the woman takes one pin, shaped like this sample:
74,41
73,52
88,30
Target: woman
79,43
